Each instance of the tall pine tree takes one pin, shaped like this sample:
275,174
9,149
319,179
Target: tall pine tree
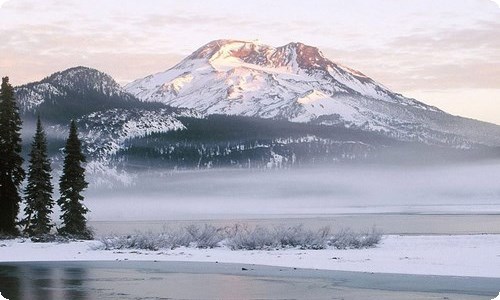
11,171
38,192
71,185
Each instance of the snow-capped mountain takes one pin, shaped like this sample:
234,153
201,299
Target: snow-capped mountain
243,105
297,82
262,75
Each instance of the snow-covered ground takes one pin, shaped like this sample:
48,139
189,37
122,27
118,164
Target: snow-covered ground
456,255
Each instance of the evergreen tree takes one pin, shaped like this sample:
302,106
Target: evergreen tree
71,185
38,192
11,171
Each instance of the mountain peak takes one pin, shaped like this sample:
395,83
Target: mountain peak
73,88
80,69
303,55
83,76
293,55
299,46
226,48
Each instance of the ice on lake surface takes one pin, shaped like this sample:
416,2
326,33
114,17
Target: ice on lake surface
150,280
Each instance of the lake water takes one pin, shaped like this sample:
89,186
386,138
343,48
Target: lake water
174,280
411,224
444,200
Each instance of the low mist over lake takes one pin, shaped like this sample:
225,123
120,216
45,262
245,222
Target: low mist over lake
471,188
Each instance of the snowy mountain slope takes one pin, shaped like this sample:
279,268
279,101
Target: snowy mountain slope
297,82
104,134
247,71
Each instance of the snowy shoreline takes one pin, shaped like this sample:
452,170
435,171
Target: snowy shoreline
453,255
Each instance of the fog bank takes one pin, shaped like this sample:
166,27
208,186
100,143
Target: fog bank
466,188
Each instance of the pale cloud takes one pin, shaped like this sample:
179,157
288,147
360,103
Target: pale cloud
138,64
481,104
448,59
420,46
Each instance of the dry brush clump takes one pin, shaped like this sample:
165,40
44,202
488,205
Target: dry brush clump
243,237
348,239
277,237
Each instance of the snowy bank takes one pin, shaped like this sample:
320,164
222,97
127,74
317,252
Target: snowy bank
457,255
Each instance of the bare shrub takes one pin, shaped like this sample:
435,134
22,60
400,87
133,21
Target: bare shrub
208,236
347,239
278,237
242,237
297,236
257,238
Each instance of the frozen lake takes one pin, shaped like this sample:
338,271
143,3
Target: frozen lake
174,280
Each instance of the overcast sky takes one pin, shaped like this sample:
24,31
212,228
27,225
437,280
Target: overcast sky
442,52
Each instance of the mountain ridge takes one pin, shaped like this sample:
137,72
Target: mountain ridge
72,93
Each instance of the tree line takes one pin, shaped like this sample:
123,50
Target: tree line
38,191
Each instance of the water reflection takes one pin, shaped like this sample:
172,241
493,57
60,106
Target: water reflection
150,280
40,285
73,283
42,282
10,286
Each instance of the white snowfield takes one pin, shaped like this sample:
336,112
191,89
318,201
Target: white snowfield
457,255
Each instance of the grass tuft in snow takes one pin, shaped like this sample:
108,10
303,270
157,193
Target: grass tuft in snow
242,237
